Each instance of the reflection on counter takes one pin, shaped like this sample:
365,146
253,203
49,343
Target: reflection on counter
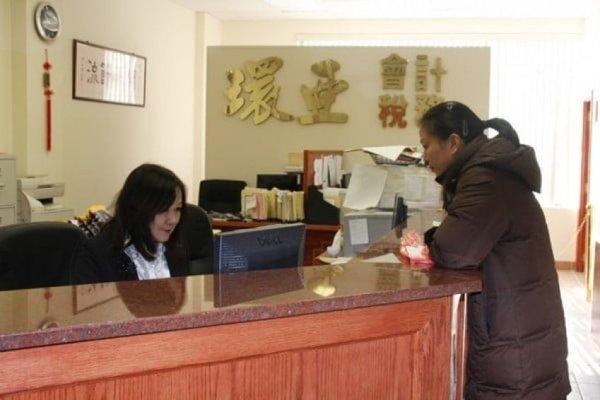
153,298
320,281
236,288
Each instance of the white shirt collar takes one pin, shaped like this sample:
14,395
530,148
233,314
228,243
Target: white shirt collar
154,269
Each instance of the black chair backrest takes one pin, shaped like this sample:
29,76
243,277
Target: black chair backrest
280,181
199,240
37,254
221,195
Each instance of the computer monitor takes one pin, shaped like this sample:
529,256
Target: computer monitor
280,181
267,247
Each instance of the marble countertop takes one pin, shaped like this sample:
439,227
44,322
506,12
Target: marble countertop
39,317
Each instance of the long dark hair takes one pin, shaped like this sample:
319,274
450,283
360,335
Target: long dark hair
454,117
149,189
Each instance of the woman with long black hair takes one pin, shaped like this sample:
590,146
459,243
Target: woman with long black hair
144,239
517,342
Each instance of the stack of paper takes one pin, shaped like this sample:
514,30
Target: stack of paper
328,171
290,205
263,204
334,196
366,186
255,203
403,155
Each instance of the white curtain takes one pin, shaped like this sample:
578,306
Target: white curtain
538,85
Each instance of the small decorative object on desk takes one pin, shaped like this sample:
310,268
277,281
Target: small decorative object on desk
91,221
414,250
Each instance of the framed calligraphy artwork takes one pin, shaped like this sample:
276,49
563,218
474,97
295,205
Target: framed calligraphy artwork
108,75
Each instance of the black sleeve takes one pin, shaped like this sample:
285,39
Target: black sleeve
199,242
8,279
476,221
428,235
87,265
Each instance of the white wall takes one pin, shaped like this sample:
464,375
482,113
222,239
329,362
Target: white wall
95,145
593,39
288,33
562,225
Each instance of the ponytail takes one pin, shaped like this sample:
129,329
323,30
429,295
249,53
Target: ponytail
451,117
504,129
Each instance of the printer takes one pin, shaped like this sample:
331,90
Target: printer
35,200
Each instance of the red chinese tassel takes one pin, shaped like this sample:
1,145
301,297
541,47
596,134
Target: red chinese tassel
48,93
48,123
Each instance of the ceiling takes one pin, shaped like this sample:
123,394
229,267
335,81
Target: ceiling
389,9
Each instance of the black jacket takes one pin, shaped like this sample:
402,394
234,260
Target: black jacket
96,263
517,339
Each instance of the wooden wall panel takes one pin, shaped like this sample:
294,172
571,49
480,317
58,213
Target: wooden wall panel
398,351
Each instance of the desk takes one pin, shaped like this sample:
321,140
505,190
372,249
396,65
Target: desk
359,331
318,237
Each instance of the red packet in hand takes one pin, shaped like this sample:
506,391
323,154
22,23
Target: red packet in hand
414,250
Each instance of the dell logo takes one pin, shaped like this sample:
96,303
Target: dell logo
270,240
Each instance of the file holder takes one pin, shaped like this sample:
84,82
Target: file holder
318,211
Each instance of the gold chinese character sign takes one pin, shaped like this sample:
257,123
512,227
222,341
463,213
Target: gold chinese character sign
425,102
422,70
438,72
392,109
393,71
232,93
321,97
263,92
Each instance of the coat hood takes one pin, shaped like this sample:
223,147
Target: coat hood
501,154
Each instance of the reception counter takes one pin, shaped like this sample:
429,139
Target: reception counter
362,330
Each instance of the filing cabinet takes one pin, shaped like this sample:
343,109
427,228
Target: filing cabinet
8,190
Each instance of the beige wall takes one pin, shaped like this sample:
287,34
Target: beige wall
19,81
209,32
95,145
239,149
6,144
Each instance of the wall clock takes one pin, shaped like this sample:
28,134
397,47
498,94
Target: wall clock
47,21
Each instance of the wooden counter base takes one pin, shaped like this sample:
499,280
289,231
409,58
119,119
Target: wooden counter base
397,351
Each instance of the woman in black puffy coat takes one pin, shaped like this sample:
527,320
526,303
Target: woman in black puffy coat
517,340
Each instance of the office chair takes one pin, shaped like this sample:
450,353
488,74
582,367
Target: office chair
221,195
280,181
200,241
37,254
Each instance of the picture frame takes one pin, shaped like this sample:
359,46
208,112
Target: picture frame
108,75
